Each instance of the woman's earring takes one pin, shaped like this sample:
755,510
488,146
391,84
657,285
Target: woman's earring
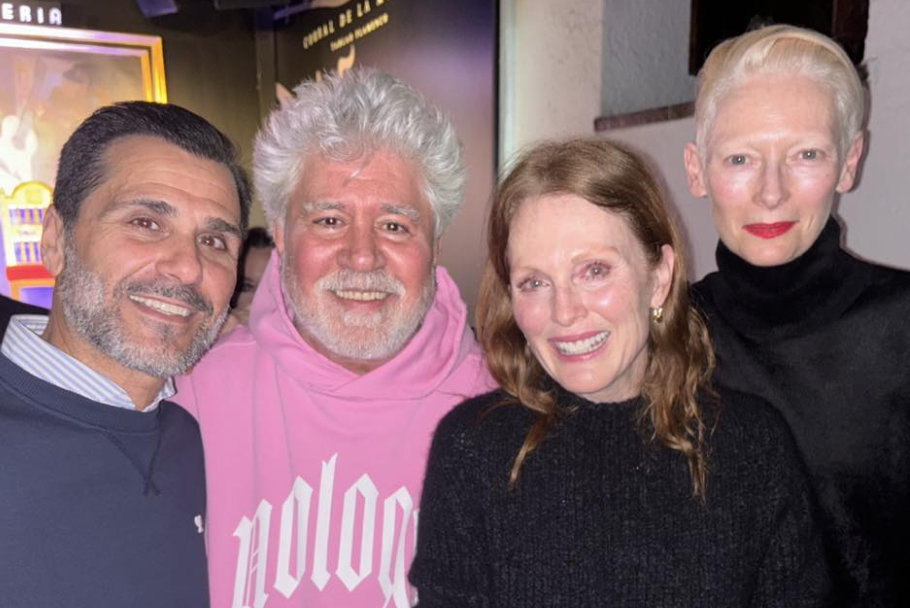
657,314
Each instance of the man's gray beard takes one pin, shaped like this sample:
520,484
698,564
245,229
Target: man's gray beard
101,324
380,335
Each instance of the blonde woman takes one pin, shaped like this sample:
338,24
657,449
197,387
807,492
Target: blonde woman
796,319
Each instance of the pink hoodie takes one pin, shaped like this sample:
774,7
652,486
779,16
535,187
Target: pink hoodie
313,472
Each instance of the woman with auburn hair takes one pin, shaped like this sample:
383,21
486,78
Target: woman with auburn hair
605,470
795,318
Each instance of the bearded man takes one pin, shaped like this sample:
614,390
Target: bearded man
317,419
102,489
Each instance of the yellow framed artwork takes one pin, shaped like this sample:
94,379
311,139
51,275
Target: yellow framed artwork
53,78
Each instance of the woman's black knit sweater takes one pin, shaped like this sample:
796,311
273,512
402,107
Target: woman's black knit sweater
826,340
601,516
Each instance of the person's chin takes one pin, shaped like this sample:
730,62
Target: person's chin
171,347
163,337
766,254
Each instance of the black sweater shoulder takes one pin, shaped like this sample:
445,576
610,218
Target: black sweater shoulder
883,284
487,431
486,415
599,494
743,419
750,441
734,419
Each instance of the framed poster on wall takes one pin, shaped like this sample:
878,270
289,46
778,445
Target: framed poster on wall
53,78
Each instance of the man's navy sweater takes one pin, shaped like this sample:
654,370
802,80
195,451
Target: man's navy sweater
99,506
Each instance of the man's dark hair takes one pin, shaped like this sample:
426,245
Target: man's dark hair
257,237
82,165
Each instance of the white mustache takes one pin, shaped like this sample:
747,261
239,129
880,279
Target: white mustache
352,280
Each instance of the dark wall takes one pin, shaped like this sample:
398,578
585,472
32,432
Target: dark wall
209,57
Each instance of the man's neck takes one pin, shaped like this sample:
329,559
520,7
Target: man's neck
141,388
357,366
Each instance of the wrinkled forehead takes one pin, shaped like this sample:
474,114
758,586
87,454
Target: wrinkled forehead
380,180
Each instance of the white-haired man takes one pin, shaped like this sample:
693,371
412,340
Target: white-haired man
317,419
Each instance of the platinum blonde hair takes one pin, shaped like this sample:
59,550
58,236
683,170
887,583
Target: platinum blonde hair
349,117
774,50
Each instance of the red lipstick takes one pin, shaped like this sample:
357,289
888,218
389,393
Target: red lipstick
769,231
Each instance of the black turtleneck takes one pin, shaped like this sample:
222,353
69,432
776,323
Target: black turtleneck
603,516
826,340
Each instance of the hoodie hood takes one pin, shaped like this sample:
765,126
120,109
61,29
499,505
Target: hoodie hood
411,374
283,425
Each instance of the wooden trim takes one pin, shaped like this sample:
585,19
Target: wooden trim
644,117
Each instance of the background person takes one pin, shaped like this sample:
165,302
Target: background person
254,256
796,319
10,307
102,487
317,419
602,470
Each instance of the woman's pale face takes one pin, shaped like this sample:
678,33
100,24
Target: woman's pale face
771,166
581,292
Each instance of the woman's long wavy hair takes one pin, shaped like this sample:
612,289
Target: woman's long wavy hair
680,357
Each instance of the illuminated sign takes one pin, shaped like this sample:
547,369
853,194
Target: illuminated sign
346,18
31,13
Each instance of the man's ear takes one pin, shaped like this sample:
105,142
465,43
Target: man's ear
278,236
436,250
53,242
851,164
694,171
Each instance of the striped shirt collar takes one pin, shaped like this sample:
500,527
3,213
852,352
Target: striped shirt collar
24,346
